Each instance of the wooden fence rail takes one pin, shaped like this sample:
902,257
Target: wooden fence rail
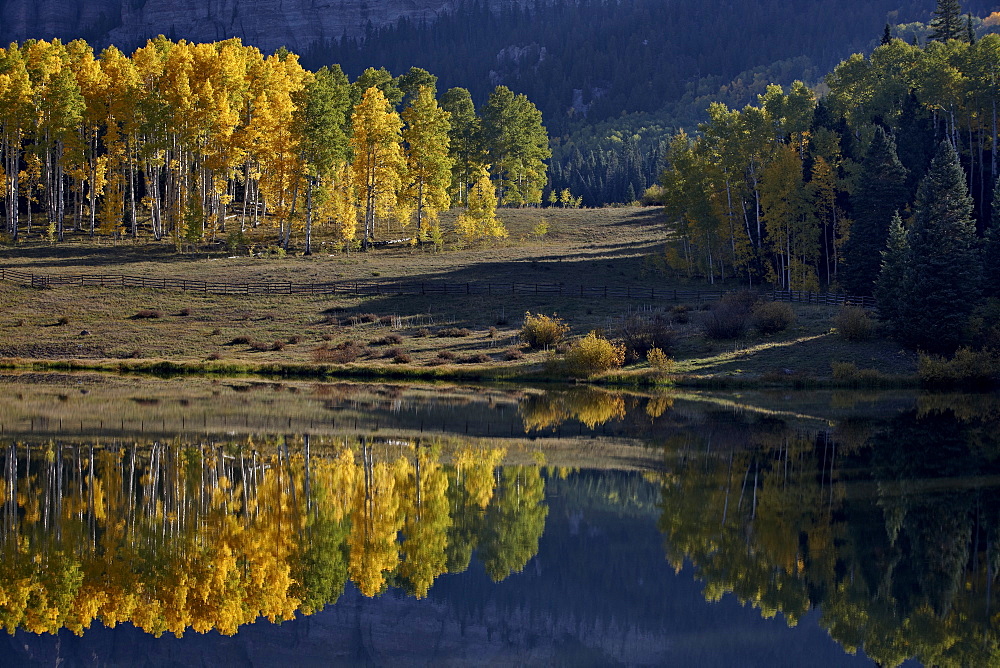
371,288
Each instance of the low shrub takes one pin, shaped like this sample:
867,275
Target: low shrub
342,353
294,339
422,332
742,300
772,317
278,345
968,368
401,358
446,355
477,358
849,373
392,352
513,354
642,332
453,332
240,341
388,340
184,312
594,354
854,323
725,321
659,361
214,356
542,331
681,314
63,320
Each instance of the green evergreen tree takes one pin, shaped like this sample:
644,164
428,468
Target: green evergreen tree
890,289
886,35
991,249
947,21
945,264
881,192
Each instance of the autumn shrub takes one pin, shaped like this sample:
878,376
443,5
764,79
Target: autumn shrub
854,323
593,354
475,358
659,361
542,331
342,353
642,332
772,317
63,320
401,358
968,368
446,355
184,312
422,332
681,314
214,356
849,374
391,353
239,341
277,345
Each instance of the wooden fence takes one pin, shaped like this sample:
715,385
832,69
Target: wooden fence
369,288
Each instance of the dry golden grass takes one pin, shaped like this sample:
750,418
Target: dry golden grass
582,247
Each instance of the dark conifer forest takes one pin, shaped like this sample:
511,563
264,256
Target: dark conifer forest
612,79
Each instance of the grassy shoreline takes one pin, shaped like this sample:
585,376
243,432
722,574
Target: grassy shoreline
483,374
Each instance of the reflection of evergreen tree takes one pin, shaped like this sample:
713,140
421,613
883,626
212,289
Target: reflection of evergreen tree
891,529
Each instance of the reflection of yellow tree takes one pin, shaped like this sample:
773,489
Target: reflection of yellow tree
426,525
376,521
172,537
589,405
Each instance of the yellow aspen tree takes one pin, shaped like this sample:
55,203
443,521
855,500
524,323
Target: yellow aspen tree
428,161
479,220
16,118
379,164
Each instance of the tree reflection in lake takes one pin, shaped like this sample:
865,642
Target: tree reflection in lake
178,536
889,526
873,520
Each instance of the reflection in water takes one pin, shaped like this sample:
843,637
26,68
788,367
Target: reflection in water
889,526
178,536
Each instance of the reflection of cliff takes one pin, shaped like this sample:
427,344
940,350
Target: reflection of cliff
180,536
890,528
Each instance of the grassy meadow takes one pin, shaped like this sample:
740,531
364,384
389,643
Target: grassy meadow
429,336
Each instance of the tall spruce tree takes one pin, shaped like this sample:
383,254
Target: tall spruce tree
991,249
891,287
947,21
945,264
881,192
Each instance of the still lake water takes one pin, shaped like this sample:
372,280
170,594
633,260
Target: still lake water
238,522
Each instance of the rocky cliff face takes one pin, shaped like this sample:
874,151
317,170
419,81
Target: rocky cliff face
267,24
